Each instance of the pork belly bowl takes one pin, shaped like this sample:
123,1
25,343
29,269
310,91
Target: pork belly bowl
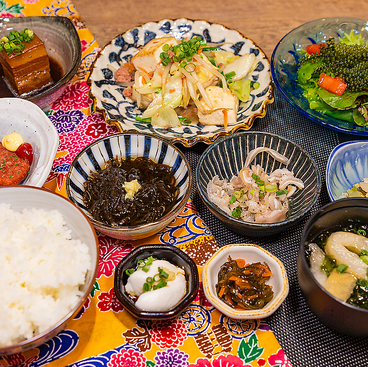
332,266
256,183
130,185
185,80
43,58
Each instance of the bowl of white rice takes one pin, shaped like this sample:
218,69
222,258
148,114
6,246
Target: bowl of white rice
48,265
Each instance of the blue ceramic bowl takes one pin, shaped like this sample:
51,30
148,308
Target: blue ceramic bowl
129,145
286,55
346,166
226,157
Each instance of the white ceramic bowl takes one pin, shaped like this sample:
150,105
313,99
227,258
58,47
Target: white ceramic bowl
346,166
251,254
31,122
20,197
129,145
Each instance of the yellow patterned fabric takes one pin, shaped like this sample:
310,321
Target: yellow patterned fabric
103,333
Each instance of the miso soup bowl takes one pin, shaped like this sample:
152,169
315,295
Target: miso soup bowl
335,314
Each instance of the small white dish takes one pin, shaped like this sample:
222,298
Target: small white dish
346,166
27,119
251,254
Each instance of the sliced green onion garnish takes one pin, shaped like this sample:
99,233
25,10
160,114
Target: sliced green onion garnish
147,287
260,182
261,194
149,280
138,118
270,188
255,177
163,274
129,271
238,193
161,284
362,232
236,212
281,192
364,258
341,268
232,199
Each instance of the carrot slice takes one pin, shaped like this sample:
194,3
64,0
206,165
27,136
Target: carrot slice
221,292
333,85
240,262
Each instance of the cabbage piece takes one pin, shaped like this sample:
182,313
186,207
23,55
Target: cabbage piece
165,117
241,89
222,57
242,66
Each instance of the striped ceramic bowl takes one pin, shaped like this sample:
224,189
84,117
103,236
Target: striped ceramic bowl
226,157
129,145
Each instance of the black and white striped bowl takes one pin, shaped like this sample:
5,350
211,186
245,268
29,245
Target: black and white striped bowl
226,157
129,145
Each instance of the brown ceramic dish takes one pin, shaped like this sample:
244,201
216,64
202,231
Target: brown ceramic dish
332,312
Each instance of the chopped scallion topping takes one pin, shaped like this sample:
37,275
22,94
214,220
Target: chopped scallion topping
342,268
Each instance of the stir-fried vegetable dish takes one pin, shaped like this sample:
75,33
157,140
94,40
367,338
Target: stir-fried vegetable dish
188,81
243,286
334,78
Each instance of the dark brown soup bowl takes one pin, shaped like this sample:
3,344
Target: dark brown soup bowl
335,314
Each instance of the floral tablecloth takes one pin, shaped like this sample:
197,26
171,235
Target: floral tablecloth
103,333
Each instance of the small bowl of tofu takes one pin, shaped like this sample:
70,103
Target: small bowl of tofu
347,170
39,56
186,81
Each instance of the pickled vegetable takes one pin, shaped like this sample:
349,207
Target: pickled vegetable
243,286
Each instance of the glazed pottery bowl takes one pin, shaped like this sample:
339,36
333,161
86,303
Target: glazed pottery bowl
332,312
27,197
346,166
27,119
287,53
129,146
63,46
171,254
251,254
226,157
121,111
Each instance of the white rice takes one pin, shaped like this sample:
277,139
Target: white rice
41,270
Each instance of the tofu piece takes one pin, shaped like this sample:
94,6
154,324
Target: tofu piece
29,71
340,285
148,57
225,106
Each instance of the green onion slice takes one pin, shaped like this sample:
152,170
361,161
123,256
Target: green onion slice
342,268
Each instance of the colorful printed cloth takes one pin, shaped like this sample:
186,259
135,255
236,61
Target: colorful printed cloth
103,333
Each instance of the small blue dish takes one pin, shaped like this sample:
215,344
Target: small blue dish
226,157
286,55
346,166
94,157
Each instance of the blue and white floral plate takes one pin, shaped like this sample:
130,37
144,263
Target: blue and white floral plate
121,111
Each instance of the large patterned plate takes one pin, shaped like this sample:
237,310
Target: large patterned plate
121,111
